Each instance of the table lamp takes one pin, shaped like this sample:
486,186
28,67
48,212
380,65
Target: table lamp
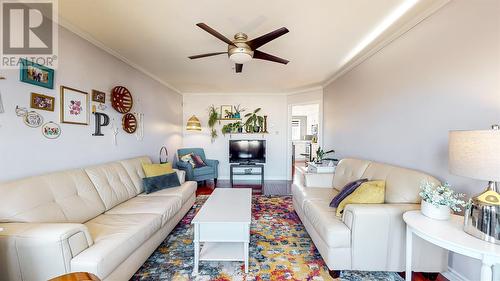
476,154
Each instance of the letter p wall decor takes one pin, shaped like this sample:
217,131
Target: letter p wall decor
101,120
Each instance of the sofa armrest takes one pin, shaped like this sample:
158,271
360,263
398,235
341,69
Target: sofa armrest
323,180
378,237
181,175
40,251
213,163
320,180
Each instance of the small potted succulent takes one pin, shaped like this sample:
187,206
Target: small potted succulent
237,111
439,200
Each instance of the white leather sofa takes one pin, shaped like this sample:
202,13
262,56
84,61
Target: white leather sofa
368,237
96,219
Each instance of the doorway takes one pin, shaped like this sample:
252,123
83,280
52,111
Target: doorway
304,136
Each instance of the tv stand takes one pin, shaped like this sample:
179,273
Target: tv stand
260,173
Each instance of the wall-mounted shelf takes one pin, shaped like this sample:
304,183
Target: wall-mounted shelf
229,119
245,133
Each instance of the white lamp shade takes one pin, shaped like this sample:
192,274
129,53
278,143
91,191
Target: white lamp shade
475,154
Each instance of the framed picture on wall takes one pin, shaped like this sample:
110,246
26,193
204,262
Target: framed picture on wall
37,74
98,96
42,102
226,111
74,106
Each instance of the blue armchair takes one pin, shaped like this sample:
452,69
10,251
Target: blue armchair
211,171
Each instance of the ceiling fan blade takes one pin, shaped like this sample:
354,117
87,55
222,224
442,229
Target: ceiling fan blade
264,39
215,33
239,67
206,55
265,56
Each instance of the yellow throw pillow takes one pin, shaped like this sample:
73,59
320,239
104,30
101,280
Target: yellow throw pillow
154,170
370,192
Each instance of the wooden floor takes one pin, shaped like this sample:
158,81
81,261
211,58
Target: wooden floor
276,188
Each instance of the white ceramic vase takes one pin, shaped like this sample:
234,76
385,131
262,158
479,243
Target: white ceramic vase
433,212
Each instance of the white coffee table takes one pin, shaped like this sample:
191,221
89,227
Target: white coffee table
222,227
450,235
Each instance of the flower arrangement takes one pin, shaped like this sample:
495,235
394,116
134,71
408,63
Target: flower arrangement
441,195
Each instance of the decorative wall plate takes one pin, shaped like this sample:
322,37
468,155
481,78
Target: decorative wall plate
129,123
51,130
121,99
33,119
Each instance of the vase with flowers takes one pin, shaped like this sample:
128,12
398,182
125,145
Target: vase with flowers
439,200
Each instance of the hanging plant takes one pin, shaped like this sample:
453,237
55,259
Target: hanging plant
212,121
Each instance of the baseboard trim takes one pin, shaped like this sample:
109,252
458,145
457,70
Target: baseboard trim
452,275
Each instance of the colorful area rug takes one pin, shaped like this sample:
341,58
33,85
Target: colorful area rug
280,249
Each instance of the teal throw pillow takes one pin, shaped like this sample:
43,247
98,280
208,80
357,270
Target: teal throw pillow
153,184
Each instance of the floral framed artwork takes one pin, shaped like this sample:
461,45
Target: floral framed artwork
74,106
42,102
36,74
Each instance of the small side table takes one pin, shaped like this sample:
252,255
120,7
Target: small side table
260,172
450,236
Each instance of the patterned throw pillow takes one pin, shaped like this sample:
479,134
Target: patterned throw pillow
188,158
346,191
198,162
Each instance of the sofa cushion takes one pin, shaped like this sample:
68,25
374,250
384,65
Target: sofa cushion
401,185
203,171
303,194
112,182
67,196
330,228
134,169
349,170
115,237
165,206
184,191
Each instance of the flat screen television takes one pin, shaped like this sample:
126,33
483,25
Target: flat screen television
247,151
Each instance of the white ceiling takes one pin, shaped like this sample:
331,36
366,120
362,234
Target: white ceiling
157,36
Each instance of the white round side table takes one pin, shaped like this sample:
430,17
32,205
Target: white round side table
450,235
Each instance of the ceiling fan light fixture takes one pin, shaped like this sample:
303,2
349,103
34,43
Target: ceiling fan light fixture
240,58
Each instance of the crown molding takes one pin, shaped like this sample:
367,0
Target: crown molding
288,93
86,36
385,40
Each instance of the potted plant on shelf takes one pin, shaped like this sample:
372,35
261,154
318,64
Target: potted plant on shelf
237,111
439,200
254,122
320,155
213,116
231,128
